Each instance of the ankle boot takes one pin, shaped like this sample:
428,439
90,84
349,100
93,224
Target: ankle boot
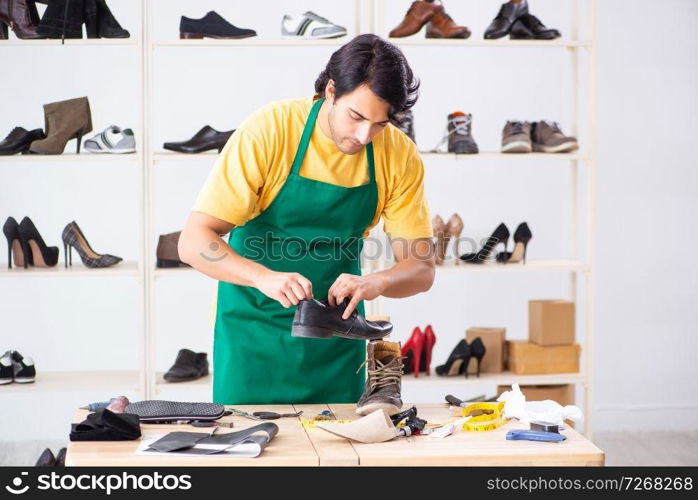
64,120
64,18
21,16
107,24
384,380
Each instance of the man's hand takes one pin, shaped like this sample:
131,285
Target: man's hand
287,288
357,287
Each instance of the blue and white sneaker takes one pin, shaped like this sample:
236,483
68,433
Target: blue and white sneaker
112,140
310,26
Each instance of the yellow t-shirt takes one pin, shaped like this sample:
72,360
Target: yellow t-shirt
256,160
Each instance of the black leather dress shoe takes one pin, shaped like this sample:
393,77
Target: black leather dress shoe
205,139
19,140
189,365
318,319
212,25
508,13
529,27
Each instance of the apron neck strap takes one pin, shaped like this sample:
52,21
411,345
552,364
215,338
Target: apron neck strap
305,140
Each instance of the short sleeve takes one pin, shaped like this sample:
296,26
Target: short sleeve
233,186
406,212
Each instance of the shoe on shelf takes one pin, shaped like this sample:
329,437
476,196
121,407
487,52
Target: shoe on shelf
23,368
46,459
14,244
441,25
60,457
204,140
419,14
35,251
19,140
212,25
188,366
508,13
64,19
458,134
412,351
457,362
477,351
516,137
112,140
405,122
548,138
310,26
73,237
7,373
107,25
500,235
441,235
522,236
429,341
318,319
64,120
21,16
384,379
529,27
166,253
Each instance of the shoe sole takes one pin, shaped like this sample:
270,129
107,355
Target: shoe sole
5,381
324,37
110,151
23,380
565,147
316,332
517,147
370,408
201,36
464,151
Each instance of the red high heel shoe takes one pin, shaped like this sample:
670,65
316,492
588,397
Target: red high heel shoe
412,350
429,341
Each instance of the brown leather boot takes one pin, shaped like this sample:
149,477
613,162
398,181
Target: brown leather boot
64,120
21,16
442,25
384,380
419,13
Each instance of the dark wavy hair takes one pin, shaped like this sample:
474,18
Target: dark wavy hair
381,65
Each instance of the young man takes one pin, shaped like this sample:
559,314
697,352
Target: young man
313,174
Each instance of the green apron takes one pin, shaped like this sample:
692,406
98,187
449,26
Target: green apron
316,229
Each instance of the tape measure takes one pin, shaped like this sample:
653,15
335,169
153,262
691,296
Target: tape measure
309,423
482,421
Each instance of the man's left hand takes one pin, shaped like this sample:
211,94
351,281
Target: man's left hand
357,287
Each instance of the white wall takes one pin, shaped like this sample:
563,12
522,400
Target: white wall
647,184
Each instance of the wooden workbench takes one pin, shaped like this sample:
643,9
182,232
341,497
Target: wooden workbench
296,445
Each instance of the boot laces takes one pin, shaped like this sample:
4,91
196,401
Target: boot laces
461,126
384,374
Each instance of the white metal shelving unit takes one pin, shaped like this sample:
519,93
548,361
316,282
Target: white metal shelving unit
369,17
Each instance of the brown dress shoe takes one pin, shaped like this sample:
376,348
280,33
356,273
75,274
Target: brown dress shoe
442,25
419,13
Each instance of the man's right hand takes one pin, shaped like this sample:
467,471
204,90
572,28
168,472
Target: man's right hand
287,288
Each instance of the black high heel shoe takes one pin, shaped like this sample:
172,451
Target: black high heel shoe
33,244
500,235
522,236
14,244
477,349
73,237
457,361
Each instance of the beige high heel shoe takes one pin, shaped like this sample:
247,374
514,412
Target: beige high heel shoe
441,235
455,228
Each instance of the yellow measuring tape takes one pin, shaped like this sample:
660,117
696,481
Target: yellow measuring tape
309,423
488,416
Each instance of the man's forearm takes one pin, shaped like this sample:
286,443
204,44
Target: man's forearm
406,278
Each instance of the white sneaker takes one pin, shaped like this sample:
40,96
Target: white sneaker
112,140
310,26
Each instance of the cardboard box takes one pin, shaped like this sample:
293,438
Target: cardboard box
525,358
563,393
493,338
551,322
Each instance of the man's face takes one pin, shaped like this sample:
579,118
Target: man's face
356,118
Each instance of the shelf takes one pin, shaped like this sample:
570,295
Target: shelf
530,266
504,378
69,41
174,271
481,43
254,42
202,383
108,381
128,268
71,158
207,156
494,155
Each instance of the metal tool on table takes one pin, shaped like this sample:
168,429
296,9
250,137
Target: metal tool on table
272,415
211,423
454,401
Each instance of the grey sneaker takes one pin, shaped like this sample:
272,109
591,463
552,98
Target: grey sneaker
405,122
516,137
310,26
548,138
384,380
112,140
458,134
